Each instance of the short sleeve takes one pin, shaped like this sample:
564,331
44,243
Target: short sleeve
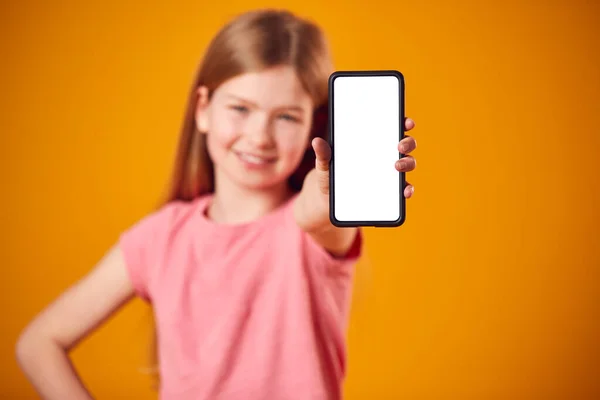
140,245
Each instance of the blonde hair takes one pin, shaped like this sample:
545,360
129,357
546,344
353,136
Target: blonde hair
251,42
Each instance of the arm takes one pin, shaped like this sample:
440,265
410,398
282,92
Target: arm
42,348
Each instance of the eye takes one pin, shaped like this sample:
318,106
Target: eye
288,117
240,109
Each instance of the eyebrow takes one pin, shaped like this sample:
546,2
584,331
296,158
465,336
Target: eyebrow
290,107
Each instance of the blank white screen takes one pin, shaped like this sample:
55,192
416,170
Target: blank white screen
366,131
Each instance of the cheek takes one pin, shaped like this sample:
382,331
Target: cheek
293,144
222,133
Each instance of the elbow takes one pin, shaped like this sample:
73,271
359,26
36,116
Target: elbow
24,348
30,346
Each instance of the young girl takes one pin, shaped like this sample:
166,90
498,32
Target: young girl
250,283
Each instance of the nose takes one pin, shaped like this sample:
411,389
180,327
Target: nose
258,132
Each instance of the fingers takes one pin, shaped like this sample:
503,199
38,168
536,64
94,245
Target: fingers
322,154
409,190
406,164
407,145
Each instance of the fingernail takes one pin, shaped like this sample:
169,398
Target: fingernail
399,164
402,148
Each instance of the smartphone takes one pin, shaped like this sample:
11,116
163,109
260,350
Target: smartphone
366,122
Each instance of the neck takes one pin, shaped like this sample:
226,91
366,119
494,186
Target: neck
234,204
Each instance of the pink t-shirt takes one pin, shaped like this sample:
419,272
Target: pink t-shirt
247,311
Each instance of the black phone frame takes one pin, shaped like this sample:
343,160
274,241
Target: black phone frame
331,128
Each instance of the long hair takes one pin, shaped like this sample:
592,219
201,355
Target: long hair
252,42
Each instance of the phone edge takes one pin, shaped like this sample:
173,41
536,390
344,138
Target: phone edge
402,176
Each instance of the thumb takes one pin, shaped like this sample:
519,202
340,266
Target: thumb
322,154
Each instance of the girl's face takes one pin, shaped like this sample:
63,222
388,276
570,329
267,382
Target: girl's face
257,126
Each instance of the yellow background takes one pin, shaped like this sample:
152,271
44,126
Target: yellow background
489,291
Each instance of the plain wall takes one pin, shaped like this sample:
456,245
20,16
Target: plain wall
489,291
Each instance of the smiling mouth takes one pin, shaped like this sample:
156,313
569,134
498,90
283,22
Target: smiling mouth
255,159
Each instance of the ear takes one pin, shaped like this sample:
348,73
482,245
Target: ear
201,109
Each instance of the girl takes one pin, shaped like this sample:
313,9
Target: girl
249,282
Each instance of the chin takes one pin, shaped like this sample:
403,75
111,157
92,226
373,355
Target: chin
260,182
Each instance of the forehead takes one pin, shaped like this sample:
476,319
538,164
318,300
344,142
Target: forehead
274,87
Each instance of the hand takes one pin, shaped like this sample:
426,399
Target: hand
405,164
314,204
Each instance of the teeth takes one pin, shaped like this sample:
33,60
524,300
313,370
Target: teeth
252,159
